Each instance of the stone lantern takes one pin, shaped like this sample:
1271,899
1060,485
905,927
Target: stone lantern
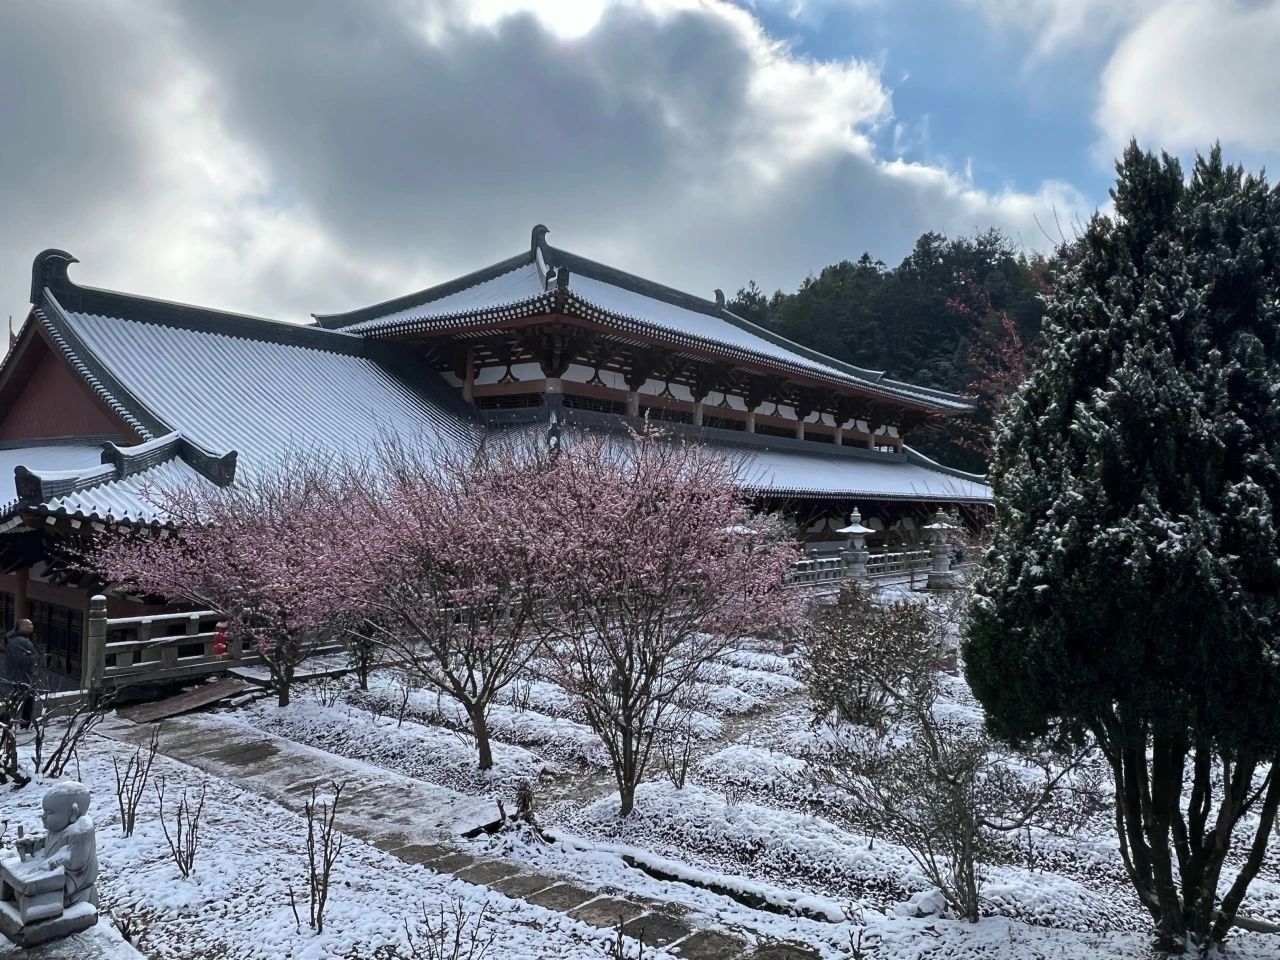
856,553
940,576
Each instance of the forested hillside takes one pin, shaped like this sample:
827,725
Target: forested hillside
928,320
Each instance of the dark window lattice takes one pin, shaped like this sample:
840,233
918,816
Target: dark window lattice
594,404
8,612
59,634
511,401
723,423
666,415
771,431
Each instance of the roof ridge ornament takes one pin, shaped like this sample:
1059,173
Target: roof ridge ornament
719,298
562,278
219,469
538,239
50,270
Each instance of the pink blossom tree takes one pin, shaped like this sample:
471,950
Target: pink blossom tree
999,358
657,567
453,565
261,552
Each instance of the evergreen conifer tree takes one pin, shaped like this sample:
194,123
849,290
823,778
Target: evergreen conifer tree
1132,592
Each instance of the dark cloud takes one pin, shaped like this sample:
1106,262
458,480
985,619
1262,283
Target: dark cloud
289,157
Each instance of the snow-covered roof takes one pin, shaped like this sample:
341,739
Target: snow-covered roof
51,457
815,475
259,397
548,279
213,395
520,284
782,467
133,498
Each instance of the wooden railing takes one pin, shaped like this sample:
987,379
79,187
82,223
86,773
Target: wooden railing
161,648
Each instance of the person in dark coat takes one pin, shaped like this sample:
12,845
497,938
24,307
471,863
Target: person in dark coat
20,668
16,695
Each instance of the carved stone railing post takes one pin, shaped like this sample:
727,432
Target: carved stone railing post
94,664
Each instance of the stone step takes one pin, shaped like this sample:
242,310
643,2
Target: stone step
286,772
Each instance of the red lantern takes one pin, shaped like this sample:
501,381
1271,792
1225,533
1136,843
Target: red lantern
219,639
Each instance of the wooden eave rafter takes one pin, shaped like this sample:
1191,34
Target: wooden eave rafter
481,333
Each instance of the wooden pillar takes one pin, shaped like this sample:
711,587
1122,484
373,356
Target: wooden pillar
839,441
469,381
21,607
805,403
751,421
697,414
637,374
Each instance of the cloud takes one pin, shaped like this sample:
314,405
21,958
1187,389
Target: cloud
1193,72
1058,26
1176,74
293,157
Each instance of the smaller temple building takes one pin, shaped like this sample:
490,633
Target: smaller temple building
105,396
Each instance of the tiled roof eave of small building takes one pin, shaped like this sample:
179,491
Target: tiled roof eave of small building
807,493
111,482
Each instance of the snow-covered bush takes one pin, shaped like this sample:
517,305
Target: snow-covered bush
448,933
860,655
929,779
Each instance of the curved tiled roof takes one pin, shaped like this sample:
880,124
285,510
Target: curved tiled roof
210,392
214,393
260,398
518,285
44,457
134,498
523,285
780,473
230,383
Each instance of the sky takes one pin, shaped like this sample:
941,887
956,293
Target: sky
296,156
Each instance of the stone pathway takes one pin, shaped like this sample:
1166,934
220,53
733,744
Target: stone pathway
99,942
418,823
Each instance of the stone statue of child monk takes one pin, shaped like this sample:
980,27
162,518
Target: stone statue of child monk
71,843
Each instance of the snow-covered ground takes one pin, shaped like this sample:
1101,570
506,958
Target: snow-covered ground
251,853
751,845
749,827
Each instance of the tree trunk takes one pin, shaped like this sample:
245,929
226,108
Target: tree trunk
628,775
284,681
1257,851
480,729
627,791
